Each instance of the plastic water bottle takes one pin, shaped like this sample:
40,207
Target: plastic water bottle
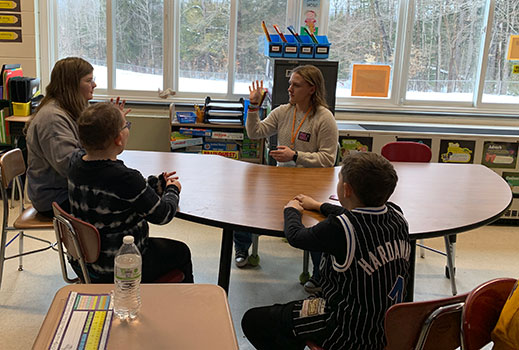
127,278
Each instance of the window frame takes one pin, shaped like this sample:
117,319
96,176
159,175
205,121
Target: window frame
397,101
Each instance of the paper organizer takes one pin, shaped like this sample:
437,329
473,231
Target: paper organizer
294,49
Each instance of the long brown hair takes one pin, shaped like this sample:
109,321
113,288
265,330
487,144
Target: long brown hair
64,85
313,76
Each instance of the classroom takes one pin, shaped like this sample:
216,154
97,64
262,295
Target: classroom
204,86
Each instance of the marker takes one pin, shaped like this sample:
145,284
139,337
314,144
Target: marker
311,35
264,26
279,33
293,31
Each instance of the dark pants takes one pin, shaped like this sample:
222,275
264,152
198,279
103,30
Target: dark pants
271,328
162,256
50,213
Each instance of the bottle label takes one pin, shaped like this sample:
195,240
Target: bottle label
127,274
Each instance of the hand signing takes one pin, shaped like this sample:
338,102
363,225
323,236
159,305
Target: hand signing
283,154
171,179
120,104
255,92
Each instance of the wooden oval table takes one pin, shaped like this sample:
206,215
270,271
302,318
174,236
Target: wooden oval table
437,199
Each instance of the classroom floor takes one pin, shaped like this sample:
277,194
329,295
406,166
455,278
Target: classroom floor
25,296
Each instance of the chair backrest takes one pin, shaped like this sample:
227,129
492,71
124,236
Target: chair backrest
481,312
12,165
81,240
406,151
433,324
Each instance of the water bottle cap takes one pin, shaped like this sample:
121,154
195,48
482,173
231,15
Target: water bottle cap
128,239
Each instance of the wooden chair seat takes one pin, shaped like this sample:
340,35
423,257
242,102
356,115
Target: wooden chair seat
32,220
12,166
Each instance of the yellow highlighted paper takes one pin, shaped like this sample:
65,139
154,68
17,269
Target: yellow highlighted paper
513,48
371,80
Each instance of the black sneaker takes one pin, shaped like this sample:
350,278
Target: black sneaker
312,286
241,258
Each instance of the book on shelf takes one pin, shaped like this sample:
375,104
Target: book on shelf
180,143
227,135
228,154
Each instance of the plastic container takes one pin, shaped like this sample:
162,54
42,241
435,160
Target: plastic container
291,47
127,278
307,47
186,117
322,49
21,108
274,48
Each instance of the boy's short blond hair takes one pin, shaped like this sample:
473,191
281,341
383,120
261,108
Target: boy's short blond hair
372,177
99,125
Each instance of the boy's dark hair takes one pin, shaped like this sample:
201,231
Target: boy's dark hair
99,125
371,176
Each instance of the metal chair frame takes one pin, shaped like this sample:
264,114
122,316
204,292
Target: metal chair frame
12,166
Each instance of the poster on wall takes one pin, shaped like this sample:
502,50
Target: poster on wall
10,6
11,20
371,80
354,144
499,154
512,179
456,151
310,16
427,142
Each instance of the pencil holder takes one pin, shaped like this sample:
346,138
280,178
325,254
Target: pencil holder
291,47
274,48
322,49
306,48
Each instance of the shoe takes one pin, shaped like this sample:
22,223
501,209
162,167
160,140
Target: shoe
241,258
312,286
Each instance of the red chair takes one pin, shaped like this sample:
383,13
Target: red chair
433,324
408,151
80,240
481,312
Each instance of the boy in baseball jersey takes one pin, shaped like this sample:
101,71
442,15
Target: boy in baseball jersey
364,268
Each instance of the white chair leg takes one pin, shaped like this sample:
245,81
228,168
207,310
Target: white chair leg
422,250
449,248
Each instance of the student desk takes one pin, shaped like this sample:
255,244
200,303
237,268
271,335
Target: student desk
172,316
437,199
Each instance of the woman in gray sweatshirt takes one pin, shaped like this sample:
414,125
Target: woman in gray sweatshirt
52,134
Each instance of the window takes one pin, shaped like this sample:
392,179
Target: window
204,43
445,48
443,54
501,84
361,32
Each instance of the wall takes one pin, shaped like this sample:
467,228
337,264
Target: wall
26,52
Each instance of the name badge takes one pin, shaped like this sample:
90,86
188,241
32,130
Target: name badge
304,136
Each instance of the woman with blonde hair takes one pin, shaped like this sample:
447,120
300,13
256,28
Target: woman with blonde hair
307,137
52,134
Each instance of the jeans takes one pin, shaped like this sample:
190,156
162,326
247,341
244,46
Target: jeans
243,241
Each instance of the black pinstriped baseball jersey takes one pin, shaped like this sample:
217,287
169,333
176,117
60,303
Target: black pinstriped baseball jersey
362,278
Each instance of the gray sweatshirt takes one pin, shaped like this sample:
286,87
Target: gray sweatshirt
315,143
52,139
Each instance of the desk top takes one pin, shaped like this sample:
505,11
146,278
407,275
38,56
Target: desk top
437,199
172,316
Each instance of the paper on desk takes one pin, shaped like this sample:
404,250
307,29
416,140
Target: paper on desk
85,322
